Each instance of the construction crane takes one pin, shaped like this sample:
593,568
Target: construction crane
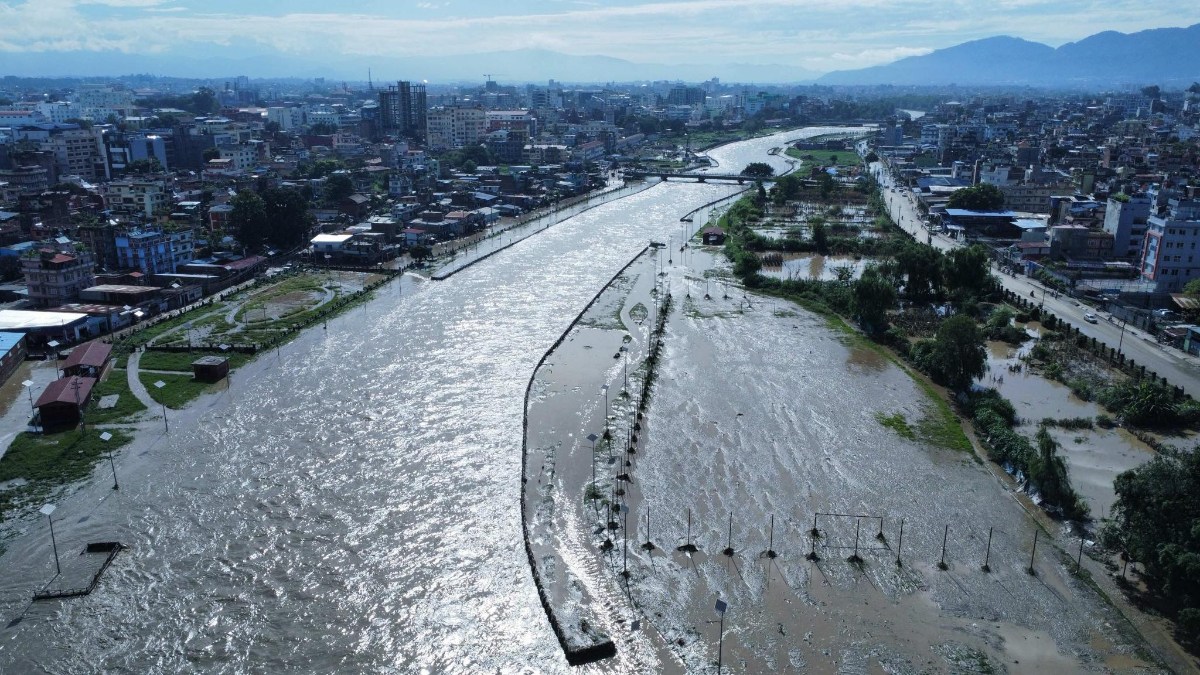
489,75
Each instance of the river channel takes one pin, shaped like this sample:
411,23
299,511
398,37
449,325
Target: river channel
352,502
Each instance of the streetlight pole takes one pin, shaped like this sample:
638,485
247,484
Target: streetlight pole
1120,342
625,352
106,437
592,438
721,607
49,509
604,388
28,384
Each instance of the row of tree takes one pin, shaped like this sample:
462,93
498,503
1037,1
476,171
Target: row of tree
278,217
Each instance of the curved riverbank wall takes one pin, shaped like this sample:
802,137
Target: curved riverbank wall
603,647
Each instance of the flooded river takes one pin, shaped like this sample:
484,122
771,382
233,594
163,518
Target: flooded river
352,502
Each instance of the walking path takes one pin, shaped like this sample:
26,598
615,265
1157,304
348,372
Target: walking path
135,383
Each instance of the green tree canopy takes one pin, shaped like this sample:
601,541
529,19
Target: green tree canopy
203,102
920,266
1156,519
873,297
982,197
965,272
323,129
143,166
249,219
288,220
958,355
338,187
758,170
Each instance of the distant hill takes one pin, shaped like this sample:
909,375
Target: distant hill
525,65
1162,56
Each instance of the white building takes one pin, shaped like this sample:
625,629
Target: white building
58,112
454,127
1169,257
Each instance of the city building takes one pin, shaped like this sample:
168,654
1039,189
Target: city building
145,198
55,277
454,126
402,110
1169,257
1125,218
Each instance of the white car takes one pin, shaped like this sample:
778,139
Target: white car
1090,317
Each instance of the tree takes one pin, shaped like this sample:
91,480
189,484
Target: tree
758,170
249,219
323,129
958,355
337,188
419,252
820,233
920,266
826,184
873,297
143,166
1153,91
871,157
1048,472
202,102
210,154
288,220
982,197
1156,519
965,272
1192,287
320,168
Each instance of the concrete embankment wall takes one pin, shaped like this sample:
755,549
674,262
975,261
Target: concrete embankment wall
576,655
1117,358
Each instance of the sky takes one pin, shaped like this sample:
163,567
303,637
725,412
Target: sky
814,35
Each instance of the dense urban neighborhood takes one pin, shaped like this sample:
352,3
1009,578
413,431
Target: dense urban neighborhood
158,234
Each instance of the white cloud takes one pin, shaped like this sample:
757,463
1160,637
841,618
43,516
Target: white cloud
819,34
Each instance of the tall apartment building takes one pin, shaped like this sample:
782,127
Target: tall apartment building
55,277
243,155
403,110
154,251
137,197
76,152
454,127
1170,257
1125,219
682,95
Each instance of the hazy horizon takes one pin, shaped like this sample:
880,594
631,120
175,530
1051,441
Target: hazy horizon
787,40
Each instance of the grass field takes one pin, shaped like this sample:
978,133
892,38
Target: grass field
179,390
127,406
41,462
826,157
182,361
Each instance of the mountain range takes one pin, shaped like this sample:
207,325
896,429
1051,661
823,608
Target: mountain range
1163,56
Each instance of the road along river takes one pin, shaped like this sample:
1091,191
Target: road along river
351,503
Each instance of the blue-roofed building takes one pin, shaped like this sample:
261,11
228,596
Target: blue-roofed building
990,224
18,249
12,353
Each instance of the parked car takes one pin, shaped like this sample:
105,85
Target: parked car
1090,317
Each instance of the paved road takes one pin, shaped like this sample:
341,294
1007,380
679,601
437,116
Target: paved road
1179,368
